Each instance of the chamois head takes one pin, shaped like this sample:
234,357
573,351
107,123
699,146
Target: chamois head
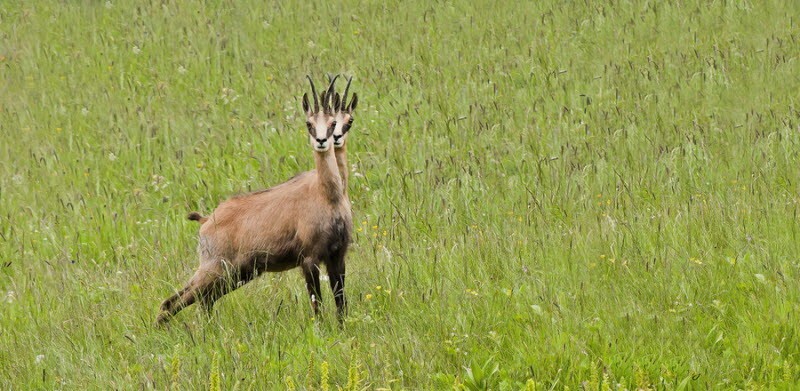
320,118
343,115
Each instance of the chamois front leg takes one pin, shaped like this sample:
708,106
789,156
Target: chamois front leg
336,272
311,274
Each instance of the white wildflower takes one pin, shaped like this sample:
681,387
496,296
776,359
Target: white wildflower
228,95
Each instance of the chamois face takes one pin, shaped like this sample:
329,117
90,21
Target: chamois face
343,120
320,127
320,120
343,117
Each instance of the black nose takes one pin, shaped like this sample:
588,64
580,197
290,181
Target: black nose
322,140
336,138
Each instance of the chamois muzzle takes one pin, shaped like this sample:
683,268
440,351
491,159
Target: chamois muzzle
321,144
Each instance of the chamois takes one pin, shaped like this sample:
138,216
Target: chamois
305,221
344,120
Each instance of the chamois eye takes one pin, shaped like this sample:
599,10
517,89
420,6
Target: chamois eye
333,124
351,121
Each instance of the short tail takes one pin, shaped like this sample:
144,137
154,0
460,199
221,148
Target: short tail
197,217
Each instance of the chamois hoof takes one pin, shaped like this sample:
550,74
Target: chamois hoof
162,320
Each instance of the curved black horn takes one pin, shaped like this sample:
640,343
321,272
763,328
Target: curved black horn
314,94
330,86
344,97
329,93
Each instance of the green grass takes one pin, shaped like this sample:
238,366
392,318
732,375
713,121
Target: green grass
557,195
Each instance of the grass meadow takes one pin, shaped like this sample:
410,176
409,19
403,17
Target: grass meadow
546,195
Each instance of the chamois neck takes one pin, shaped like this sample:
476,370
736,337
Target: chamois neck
341,162
328,178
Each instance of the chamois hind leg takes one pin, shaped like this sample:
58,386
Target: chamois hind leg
311,274
220,287
198,287
174,304
336,272
168,303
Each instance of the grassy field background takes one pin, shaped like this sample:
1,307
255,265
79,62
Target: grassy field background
550,195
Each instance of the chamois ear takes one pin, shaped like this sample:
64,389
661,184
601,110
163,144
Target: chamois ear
305,103
353,103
